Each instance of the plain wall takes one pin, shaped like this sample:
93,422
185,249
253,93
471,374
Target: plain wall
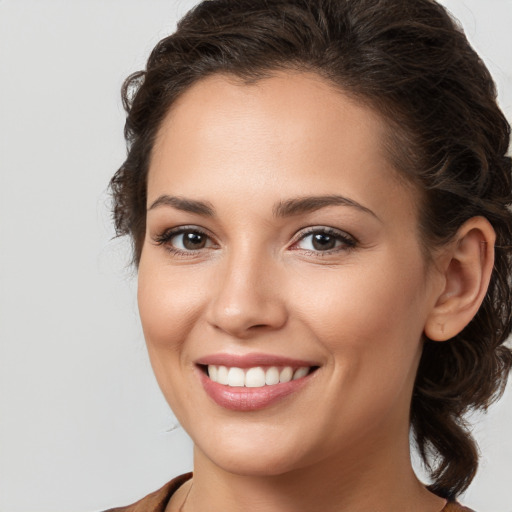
83,425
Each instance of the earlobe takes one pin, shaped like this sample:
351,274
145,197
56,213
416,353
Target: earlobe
467,267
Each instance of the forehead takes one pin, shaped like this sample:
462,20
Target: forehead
281,110
283,135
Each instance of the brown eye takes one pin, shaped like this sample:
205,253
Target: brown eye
323,242
192,240
186,240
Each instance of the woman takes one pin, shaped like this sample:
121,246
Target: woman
317,192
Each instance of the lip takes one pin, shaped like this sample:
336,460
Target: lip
251,360
245,398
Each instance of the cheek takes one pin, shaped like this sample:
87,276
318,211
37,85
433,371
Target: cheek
169,307
168,304
372,310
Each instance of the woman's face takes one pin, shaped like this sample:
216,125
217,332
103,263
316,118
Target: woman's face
280,244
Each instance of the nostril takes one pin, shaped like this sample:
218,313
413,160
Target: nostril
243,315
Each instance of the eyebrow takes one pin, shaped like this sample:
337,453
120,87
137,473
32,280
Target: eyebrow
187,205
308,204
288,208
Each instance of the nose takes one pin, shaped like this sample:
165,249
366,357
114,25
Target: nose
247,297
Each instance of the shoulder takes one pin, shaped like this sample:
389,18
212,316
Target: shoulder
156,501
453,506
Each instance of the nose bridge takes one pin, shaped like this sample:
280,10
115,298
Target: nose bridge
247,296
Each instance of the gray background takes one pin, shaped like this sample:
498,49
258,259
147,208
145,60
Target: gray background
83,425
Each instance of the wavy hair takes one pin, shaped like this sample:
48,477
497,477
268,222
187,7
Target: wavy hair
410,61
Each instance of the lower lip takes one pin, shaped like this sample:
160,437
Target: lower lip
250,399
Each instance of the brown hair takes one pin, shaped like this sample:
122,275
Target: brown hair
412,63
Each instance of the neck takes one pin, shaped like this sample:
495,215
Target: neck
381,479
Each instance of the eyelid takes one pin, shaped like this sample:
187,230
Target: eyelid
167,234
164,238
348,241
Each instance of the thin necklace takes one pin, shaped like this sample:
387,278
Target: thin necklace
186,497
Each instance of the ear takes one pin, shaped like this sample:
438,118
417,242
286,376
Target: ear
466,268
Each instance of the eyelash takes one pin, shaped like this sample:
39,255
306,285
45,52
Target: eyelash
348,242
165,238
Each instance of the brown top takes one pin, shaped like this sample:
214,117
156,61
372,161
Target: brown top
157,501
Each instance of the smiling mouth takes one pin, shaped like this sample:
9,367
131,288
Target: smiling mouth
255,377
253,382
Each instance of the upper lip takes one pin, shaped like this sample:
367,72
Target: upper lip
251,360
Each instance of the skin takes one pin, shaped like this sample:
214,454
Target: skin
358,311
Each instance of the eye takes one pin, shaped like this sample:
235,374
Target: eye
184,240
189,241
324,240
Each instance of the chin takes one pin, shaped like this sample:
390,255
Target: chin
247,456
262,465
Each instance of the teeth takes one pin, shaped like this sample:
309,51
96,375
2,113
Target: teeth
212,372
299,373
222,375
236,377
272,376
286,374
256,377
